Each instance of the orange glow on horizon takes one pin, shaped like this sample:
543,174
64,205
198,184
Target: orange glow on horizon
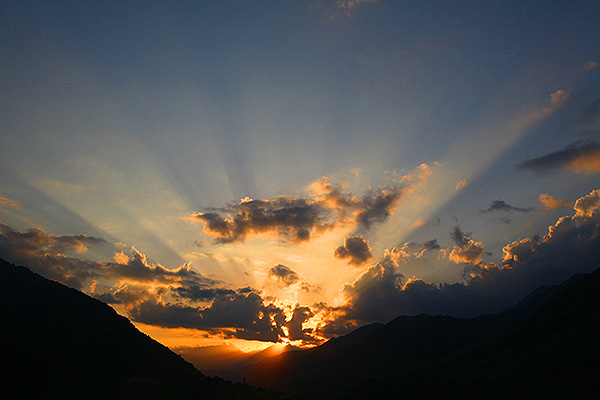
182,337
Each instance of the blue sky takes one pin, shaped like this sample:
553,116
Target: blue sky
125,122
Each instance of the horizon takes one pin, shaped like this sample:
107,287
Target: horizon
286,172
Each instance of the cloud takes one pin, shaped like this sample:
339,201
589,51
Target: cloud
462,184
581,156
590,65
560,98
578,157
381,293
295,326
137,268
300,219
550,202
239,315
587,205
571,245
200,293
377,206
356,249
152,294
466,250
58,257
380,282
290,218
431,245
48,254
501,205
6,202
410,250
284,275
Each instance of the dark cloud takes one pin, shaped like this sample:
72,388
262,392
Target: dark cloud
297,220
239,315
49,256
460,238
35,239
578,157
296,331
582,156
130,294
198,293
356,249
58,258
381,281
410,250
376,207
138,268
290,218
431,245
108,298
501,205
284,275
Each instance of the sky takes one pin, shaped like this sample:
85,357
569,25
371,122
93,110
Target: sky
285,171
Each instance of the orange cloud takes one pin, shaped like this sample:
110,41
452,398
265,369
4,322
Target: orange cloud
300,219
587,205
462,184
469,253
560,98
5,201
585,163
466,250
550,202
356,249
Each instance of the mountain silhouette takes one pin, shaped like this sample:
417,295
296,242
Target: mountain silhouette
380,361
61,343
552,355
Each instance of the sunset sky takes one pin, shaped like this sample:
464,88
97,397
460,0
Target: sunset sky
286,171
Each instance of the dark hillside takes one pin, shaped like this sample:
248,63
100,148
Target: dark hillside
60,342
553,355
378,352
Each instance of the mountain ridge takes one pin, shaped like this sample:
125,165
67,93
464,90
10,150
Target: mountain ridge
403,345
62,343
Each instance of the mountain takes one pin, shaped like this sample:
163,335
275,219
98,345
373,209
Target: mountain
555,354
61,343
375,356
